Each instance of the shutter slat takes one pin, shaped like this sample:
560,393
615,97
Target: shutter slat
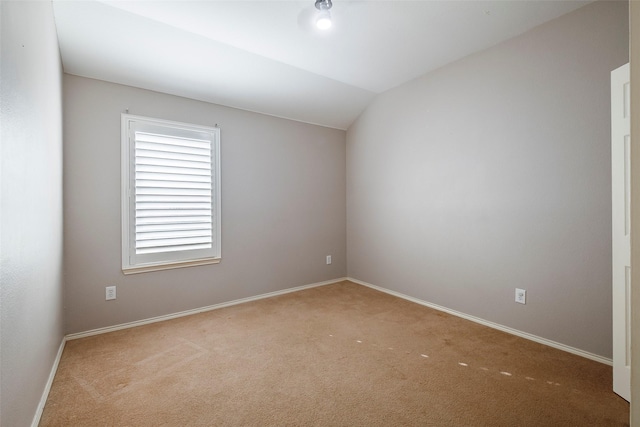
151,176
175,198
142,228
172,213
156,235
173,242
145,183
149,154
144,251
173,220
159,162
171,140
174,149
172,170
152,191
142,206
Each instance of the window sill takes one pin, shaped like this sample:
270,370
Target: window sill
168,266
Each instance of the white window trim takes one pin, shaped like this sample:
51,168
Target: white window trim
127,201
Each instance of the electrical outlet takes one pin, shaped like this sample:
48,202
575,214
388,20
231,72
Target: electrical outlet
328,259
111,292
521,296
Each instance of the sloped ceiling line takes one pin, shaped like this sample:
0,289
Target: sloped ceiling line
265,56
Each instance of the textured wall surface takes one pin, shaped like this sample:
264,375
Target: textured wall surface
31,308
493,173
283,207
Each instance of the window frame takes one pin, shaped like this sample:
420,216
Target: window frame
172,259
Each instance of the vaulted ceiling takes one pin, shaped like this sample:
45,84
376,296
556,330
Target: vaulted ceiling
268,57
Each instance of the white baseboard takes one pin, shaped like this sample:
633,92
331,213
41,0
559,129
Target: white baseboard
197,310
54,368
47,387
526,335
493,325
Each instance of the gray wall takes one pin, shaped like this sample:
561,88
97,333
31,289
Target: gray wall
31,311
493,173
283,207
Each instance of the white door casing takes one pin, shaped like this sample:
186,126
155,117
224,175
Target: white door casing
621,229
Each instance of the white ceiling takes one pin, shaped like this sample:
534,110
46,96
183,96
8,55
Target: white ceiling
266,56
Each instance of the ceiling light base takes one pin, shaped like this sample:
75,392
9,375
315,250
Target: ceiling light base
323,4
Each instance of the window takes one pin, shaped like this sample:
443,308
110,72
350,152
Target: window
170,194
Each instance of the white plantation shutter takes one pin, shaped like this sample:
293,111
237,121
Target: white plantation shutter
172,194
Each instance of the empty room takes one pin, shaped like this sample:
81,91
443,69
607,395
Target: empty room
318,213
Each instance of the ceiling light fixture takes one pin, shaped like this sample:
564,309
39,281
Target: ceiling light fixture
323,21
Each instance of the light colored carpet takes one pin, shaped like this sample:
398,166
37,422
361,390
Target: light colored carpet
337,355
